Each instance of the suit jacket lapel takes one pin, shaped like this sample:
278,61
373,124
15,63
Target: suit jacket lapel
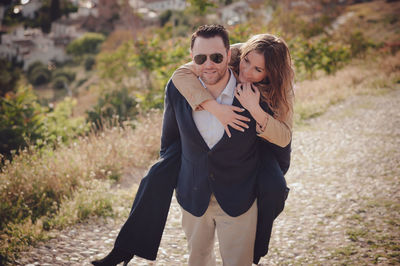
193,127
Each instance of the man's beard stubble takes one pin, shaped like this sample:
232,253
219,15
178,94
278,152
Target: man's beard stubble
211,81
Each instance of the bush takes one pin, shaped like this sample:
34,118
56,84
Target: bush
70,76
60,82
359,44
164,17
38,74
9,76
117,104
89,63
87,44
23,121
59,124
62,78
310,56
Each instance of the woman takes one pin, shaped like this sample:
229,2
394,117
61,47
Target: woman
153,198
264,60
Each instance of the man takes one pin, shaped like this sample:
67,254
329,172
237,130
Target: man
214,176
216,182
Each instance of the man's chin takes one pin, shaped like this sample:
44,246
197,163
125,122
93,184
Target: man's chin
210,80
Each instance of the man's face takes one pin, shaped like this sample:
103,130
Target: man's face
210,72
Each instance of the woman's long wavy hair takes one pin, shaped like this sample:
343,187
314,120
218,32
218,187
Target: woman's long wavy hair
277,88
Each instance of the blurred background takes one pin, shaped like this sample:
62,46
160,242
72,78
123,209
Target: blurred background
82,86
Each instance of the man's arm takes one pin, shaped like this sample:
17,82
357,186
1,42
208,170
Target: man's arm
170,130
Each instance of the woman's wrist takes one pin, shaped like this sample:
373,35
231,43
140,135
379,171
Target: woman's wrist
210,105
258,114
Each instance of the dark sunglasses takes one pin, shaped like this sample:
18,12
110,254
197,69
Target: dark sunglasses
201,58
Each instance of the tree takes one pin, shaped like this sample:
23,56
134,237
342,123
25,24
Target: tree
9,76
201,6
38,73
87,44
55,11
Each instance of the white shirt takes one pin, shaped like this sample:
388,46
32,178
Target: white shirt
208,125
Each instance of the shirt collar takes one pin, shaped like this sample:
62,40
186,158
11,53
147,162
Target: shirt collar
230,87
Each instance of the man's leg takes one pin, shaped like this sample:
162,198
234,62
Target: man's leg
236,236
200,234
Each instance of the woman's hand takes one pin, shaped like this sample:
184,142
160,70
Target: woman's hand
248,96
226,114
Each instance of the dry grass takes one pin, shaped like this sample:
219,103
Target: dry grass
375,75
46,189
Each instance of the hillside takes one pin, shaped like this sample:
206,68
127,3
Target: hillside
342,207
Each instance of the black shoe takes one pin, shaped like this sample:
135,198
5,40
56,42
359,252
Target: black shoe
115,257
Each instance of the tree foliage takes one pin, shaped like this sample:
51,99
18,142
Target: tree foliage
116,105
143,67
201,6
320,54
38,73
87,44
9,76
23,121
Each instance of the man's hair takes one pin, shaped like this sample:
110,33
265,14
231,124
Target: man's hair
211,31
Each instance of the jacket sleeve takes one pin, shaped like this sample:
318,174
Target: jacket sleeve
281,153
170,130
279,132
190,86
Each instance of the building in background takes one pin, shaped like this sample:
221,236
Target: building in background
30,45
163,5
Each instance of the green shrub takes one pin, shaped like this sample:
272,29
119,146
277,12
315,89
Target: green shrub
59,124
9,75
87,44
23,121
38,73
164,17
70,76
60,82
310,56
116,104
89,63
359,44
62,78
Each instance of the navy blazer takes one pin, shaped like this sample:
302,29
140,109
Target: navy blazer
141,233
228,170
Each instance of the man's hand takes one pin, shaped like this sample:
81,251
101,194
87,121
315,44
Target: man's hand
226,114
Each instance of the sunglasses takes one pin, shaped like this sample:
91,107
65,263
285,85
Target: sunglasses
201,58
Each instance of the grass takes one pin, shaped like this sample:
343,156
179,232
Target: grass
46,189
375,75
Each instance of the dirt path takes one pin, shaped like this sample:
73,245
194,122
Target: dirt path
343,208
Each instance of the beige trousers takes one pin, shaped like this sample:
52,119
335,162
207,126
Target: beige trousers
236,236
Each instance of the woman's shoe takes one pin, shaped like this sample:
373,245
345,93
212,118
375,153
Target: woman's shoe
115,257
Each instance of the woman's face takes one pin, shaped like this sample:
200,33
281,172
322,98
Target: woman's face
252,68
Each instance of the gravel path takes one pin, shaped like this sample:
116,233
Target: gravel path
343,207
